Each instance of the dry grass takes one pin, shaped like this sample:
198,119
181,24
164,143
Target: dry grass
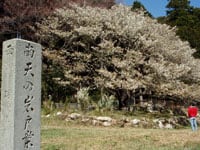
60,135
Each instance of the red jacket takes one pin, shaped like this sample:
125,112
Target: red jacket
192,111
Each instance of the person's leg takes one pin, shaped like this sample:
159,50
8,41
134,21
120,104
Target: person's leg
192,124
195,123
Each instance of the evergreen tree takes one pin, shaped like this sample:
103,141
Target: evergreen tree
177,8
139,6
177,5
187,20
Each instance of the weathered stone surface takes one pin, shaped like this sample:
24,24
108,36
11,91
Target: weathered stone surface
20,95
135,121
106,124
106,119
74,116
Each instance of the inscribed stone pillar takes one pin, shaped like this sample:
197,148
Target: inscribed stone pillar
20,95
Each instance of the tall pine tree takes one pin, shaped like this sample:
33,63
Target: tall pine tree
139,6
187,20
177,9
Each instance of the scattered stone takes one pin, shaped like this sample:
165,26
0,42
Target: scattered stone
104,119
129,124
67,119
85,120
155,120
95,122
47,116
168,126
125,120
74,116
59,113
135,121
160,124
106,124
114,121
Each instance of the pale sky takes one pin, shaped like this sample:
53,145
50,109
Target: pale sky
157,7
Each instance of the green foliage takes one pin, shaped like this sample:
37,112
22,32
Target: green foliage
95,95
187,20
47,107
83,98
52,86
139,6
103,100
177,5
107,102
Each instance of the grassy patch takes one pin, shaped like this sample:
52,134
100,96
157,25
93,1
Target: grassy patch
60,135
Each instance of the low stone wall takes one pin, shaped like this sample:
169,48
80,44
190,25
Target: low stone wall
142,122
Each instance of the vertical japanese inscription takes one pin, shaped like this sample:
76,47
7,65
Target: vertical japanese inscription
28,86
21,95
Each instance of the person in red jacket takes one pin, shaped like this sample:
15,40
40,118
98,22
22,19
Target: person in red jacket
192,114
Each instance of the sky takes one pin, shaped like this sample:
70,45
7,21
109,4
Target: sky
157,7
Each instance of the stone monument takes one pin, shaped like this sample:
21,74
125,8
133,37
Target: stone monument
20,95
